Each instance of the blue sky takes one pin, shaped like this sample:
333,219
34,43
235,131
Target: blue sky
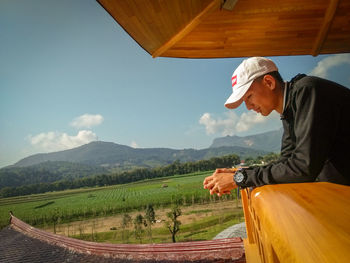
70,75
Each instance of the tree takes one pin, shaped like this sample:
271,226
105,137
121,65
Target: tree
138,222
125,223
259,160
271,157
174,225
55,218
249,161
150,218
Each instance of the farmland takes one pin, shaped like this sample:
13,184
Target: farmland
82,204
198,222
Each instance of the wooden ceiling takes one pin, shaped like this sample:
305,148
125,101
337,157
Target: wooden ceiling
205,29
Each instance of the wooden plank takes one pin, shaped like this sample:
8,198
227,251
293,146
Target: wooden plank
247,215
200,29
322,34
251,252
214,5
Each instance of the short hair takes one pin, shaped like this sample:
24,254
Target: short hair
275,74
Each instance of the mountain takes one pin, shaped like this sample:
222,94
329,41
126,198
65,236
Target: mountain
268,141
46,172
103,158
112,155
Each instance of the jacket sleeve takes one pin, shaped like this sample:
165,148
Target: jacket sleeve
287,144
313,139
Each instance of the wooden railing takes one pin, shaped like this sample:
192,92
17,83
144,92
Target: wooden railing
308,222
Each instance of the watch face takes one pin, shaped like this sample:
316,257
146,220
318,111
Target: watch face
239,177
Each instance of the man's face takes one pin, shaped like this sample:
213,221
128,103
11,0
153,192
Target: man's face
260,97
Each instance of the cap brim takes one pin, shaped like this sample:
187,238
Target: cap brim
236,97
233,105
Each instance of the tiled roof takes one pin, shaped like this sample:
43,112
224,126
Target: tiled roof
17,247
21,242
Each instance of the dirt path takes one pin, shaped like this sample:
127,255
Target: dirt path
104,224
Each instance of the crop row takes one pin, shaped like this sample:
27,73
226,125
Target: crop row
105,201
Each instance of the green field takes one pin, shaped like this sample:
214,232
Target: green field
203,229
80,204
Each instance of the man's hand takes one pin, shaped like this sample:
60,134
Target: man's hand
221,181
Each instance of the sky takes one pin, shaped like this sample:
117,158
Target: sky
70,75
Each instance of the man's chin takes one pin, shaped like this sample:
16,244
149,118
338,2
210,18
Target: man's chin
264,113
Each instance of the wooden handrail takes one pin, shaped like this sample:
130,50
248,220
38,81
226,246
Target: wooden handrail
308,222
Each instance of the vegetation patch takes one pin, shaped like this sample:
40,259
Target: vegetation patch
43,205
85,203
195,233
57,208
198,211
204,229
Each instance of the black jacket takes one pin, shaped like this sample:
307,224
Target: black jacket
316,138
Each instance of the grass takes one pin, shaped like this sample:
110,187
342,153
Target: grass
81,204
203,229
102,202
198,211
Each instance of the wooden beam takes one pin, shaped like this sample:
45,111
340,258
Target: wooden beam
212,6
327,21
229,4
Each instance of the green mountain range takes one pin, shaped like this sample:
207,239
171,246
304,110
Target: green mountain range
268,141
106,157
111,155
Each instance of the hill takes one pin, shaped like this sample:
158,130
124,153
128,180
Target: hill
46,172
98,158
268,141
106,157
112,155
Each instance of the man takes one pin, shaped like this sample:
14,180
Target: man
316,120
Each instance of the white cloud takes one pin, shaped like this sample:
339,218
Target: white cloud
248,120
232,123
87,121
219,125
55,141
323,66
134,144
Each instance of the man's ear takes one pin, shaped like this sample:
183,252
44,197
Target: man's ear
269,82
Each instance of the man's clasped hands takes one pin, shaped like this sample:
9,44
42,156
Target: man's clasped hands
221,181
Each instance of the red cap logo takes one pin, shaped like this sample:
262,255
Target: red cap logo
234,80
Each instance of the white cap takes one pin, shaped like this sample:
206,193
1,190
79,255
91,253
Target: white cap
244,75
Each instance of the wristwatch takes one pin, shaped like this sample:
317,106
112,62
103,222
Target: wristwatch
240,177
